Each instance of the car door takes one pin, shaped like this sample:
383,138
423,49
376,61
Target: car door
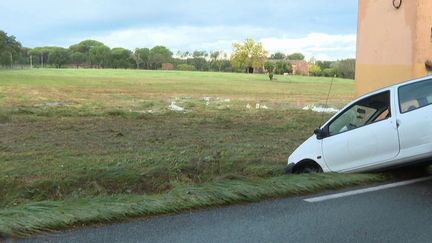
362,135
415,119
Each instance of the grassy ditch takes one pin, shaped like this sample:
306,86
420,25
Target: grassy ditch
41,216
56,156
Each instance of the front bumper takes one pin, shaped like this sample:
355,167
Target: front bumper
289,168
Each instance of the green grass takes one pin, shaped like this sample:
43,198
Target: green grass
82,146
134,90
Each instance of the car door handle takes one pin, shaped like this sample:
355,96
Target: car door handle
398,123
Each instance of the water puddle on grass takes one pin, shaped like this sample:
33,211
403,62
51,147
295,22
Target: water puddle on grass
188,104
257,107
320,109
175,107
50,104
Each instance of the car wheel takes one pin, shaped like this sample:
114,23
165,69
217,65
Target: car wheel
309,168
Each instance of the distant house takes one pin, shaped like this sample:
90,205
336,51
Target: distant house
167,66
299,67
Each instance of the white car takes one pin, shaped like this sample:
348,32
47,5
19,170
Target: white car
389,127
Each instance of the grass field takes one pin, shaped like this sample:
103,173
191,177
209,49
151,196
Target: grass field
74,141
96,90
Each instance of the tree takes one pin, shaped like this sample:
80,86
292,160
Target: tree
78,58
314,70
278,56
269,66
329,72
250,55
345,68
24,56
282,67
186,67
214,59
40,55
10,49
58,56
184,55
120,57
218,59
84,47
159,55
34,56
141,56
324,64
296,56
199,60
100,55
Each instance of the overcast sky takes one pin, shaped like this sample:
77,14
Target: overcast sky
320,28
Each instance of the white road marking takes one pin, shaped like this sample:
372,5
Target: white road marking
366,190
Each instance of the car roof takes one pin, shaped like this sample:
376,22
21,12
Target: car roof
378,91
396,85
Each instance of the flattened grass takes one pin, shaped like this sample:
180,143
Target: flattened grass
37,217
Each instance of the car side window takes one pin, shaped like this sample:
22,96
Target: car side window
366,111
414,96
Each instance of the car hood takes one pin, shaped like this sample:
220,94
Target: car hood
302,150
309,150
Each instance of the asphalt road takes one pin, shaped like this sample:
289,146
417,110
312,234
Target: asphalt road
402,214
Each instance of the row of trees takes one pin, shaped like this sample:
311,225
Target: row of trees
249,56
342,68
281,56
94,54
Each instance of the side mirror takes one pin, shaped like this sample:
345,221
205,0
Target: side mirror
319,133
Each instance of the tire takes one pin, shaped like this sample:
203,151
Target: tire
308,168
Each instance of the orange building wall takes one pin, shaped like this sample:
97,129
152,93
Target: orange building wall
392,44
423,48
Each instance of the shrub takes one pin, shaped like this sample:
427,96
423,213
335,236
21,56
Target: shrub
269,66
329,72
314,70
186,67
283,67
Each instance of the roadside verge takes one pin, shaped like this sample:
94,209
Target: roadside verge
38,217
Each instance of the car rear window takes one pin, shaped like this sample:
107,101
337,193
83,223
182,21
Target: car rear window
414,96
